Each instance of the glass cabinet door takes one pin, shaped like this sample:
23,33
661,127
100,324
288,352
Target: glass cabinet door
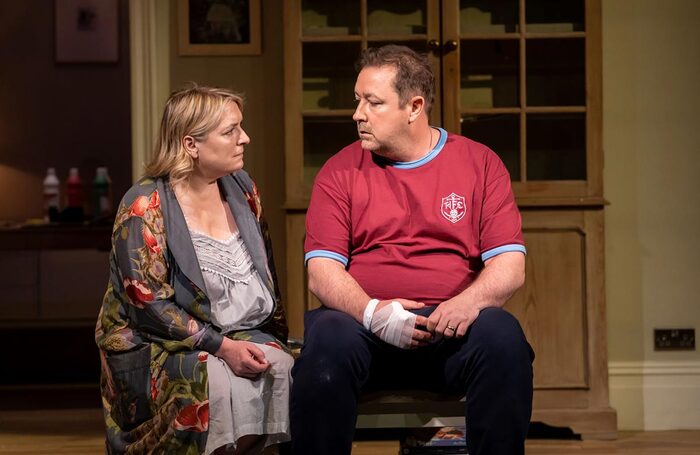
515,77
320,83
521,76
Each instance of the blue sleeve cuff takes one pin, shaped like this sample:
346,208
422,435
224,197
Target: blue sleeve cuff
502,249
325,254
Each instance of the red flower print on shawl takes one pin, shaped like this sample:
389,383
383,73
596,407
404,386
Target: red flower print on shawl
143,203
154,202
138,292
139,206
154,389
194,417
254,202
150,239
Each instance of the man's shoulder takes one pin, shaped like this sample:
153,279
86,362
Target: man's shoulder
463,150
466,145
347,159
348,155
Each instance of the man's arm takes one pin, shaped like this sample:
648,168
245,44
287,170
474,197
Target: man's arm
333,285
337,289
501,277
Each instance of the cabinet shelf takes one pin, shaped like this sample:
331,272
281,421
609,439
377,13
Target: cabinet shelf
489,36
564,35
554,109
330,38
489,110
515,110
518,35
340,113
397,38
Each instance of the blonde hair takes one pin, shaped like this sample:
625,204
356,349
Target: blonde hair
194,111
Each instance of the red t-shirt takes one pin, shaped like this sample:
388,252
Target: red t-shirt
418,230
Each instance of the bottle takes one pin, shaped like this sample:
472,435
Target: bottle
52,195
74,189
101,194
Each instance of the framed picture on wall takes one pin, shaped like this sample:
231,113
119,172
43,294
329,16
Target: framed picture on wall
219,27
87,31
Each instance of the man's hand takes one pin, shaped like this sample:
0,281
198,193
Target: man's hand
452,318
244,358
394,324
501,277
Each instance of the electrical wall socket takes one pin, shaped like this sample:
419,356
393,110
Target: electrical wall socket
674,339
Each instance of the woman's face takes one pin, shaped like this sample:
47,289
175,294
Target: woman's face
221,152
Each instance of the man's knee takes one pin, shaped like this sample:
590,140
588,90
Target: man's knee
330,330
335,349
499,332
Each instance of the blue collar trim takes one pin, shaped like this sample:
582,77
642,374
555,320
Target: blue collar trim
427,158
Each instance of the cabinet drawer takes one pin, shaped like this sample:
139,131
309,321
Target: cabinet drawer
19,302
19,268
73,283
19,275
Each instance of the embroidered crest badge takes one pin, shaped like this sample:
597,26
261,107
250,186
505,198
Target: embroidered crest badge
453,207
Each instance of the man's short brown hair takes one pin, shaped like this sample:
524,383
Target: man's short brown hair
414,75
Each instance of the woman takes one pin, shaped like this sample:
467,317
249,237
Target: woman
191,328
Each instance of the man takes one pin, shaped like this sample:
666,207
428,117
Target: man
413,246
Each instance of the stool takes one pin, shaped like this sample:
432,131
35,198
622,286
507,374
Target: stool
384,409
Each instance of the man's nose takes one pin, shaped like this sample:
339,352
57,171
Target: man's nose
358,115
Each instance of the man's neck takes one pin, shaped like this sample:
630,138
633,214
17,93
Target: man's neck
416,145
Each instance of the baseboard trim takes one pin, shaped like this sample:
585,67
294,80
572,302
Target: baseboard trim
656,395
654,368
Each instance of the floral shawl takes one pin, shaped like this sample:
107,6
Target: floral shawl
154,330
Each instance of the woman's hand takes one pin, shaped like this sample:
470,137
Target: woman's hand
244,358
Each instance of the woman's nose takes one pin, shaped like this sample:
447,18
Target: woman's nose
244,139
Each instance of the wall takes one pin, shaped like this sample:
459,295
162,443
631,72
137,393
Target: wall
651,103
260,79
56,115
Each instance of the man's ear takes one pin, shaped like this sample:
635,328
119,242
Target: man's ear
190,146
417,104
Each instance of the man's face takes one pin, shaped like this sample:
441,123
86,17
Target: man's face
380,120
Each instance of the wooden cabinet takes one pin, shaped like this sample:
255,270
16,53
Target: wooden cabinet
53,276
561,307
524,78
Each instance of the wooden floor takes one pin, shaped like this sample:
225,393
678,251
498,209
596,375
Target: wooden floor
79,431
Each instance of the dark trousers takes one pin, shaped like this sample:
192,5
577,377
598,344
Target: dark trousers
492,365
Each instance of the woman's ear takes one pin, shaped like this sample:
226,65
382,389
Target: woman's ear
190,146
417,104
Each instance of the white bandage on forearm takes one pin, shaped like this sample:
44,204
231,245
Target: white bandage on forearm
369,312
394,324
